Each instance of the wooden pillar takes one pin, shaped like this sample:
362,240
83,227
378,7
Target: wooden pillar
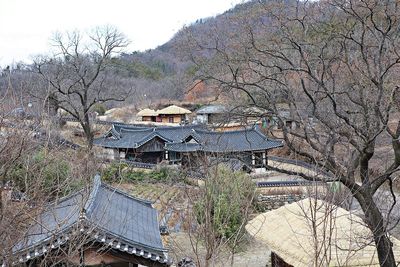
264,158
114,154
122,154
253,159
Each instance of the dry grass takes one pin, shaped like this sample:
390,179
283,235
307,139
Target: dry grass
171,201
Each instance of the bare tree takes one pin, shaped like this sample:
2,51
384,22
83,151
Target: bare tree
218,213
31,176
334,64
78,74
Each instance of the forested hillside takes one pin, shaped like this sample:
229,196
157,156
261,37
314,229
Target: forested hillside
161,74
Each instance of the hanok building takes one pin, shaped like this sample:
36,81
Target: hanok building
313,232
100,227
247,145
211,114
224,118
186,144
173,114
148,114
140,144
170,114
286,117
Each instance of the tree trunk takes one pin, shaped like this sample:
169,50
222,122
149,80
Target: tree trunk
52,104
372,213
376,223
88,133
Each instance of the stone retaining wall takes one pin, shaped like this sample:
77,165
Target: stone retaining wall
271,202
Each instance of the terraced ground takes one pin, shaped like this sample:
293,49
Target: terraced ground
172,202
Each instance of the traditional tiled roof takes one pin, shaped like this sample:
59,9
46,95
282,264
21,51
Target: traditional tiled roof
225,142
183,147
107,216
177,139
212,109
118,126
177,133
125,136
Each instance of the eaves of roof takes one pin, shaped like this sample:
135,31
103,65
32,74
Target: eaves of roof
231,141
93,232
150,137
183,147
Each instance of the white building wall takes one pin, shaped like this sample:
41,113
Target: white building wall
202,118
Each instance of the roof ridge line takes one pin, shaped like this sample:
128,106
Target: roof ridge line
193,133
90,201
166,127
136,130
258,131
226,132
150,136
119,191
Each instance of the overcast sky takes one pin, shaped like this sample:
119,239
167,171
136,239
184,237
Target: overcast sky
27,25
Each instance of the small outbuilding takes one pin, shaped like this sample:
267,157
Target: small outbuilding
313,232
211,114
173,114
170,114
148,114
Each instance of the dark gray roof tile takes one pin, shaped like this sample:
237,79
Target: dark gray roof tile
226,142
212,109
133,137
56,218
210,141
183,147
128,220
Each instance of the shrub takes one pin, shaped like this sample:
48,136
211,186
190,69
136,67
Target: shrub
121,171
224,203
99,108
162,174
135,176
112,172
47,171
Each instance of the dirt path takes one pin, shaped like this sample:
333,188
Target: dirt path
254,254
